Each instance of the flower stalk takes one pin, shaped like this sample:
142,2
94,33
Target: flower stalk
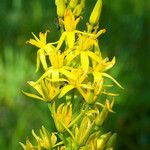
73,79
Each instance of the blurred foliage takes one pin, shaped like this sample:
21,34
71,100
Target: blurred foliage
127,37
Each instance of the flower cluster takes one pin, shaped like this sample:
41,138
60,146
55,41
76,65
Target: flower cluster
74,77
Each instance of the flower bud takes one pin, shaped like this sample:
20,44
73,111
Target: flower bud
62,117
78,9
83,132
60,7
101,142
27,146
112,141
104,113
95,15
46,139
101,117
73,3
90,96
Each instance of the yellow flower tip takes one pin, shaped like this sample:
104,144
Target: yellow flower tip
31,83
100,32
38,42
109,106
23,146
104,30
27,42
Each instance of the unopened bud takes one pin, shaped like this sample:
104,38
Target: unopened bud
101,117
73,3
84,131
60,7
101,142
78,9
112,141
95,15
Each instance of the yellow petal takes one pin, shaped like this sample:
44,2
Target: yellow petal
46,74
65,90
93,56
37,62
61,40
67,74
37,87
59,109
57,80
34,96
53,139
55,74
23,146
82,92
70,57
35,136
97,76
110,77
70,38
84,61
43,60
110,94
108,65
86,86
35,37
100,32
53,59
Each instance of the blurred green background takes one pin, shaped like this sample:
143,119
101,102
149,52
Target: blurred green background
127,37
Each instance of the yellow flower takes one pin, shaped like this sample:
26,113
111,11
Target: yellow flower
102,141
28,145
101,117
62,117
101,66
84,49
41,42
70,24
47,91
58,69
91,95
41,53
47,139
75,79
41,56
91,143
